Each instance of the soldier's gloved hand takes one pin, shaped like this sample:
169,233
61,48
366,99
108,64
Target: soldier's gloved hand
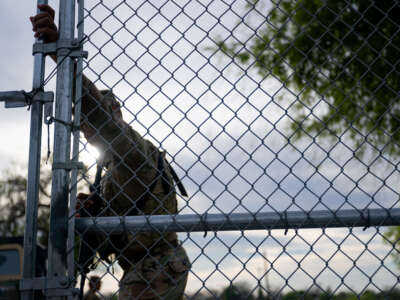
88,205
43,24
85,201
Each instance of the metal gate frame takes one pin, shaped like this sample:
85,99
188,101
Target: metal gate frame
60,279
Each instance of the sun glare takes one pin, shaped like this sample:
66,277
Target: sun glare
89,154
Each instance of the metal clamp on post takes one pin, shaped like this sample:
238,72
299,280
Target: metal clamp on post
15,99
68,165
59,286
67,47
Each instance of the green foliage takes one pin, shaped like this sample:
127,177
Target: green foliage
237,292
392,237
342,52
342,60
12,204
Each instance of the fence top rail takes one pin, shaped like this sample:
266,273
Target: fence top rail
241,221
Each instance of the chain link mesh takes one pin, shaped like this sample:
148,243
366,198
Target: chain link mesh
244,135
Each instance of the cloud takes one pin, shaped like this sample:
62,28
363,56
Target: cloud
16,64
225,134
298,258
16,73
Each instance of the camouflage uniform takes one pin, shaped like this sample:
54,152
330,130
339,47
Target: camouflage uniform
91,296
155,264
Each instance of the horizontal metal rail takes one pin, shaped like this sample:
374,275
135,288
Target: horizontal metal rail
241,221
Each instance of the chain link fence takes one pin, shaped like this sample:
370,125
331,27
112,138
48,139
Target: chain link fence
280,119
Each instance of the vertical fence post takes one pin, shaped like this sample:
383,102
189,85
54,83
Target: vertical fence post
75,147
32,197
57,260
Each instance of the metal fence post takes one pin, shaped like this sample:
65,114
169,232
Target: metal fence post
75,148
57,260
32,199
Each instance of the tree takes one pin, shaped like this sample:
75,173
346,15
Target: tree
392,237
12,204
340,57
238,291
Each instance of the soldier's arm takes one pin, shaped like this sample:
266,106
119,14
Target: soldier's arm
97,114
92,105
98,122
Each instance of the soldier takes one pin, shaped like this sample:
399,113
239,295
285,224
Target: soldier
138,181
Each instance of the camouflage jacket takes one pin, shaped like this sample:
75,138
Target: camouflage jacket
133,183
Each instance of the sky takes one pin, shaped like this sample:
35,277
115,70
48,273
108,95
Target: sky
16,74
225,133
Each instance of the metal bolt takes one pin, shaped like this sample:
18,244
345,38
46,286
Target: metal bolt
63,282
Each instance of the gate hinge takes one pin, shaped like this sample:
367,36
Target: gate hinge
65,47
56,286
14,99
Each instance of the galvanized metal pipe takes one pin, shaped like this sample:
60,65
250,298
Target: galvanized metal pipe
75,148
32,198
57,259
241,221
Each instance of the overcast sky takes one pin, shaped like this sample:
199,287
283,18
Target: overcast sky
16,65
225,134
